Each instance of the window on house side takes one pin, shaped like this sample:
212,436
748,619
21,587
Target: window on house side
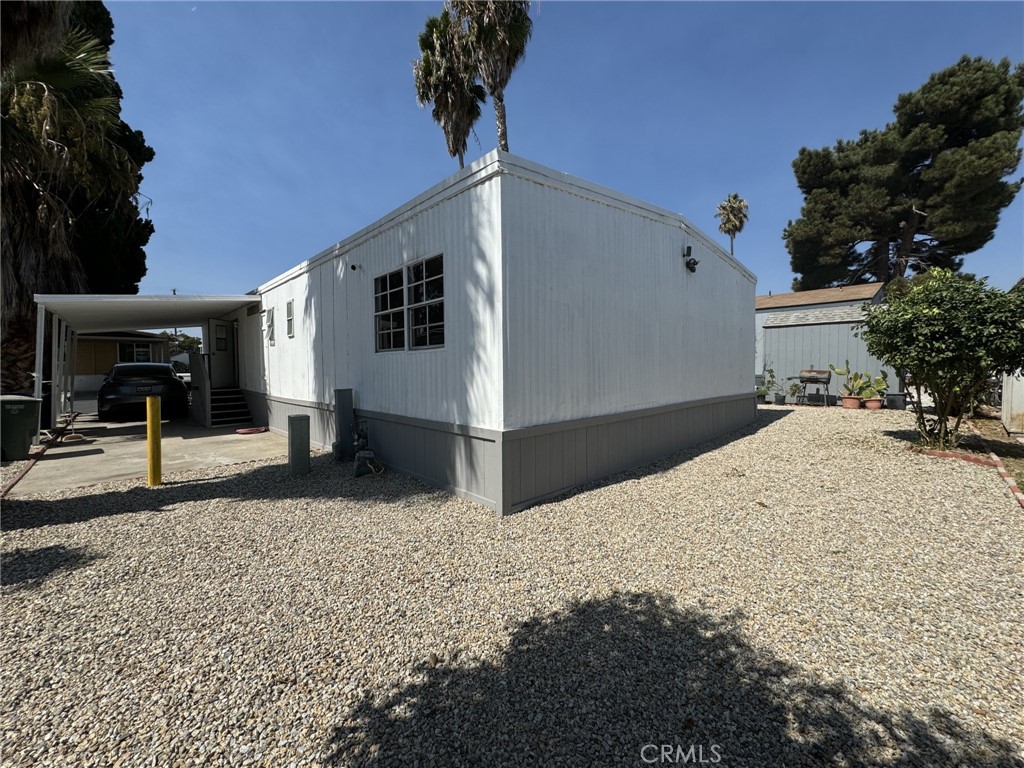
426,303
133,353
388,312
270,326
289,318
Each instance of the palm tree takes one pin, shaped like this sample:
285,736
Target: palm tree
498,31
32,29
733,213
57,116
444,76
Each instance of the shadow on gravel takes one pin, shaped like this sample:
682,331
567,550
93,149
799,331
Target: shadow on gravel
631,680
327,479
28,569
765,418
908,436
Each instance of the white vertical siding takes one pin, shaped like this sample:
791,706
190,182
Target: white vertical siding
461,383
334,343
602,317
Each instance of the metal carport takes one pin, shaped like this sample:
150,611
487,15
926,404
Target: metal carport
72,314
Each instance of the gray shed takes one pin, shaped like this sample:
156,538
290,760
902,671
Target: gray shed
813,329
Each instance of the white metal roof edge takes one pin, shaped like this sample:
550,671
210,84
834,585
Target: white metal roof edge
69,307
74,298
574,183
481,170
477,172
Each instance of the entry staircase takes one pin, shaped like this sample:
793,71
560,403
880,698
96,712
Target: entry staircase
227,407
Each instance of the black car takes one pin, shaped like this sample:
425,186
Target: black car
128,385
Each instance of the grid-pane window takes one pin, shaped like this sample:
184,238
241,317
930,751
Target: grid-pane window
133,353
388,311
425,290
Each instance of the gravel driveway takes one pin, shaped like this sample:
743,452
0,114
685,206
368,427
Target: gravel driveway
808,593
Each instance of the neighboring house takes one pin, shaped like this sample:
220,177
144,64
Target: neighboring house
1013,393
511,333
811,329
96,354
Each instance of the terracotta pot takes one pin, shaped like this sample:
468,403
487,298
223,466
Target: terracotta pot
850,401
873,404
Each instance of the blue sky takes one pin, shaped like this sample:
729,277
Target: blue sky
281,128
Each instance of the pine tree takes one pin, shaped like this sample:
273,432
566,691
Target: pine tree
920,193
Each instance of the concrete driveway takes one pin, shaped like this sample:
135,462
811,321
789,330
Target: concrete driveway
115,450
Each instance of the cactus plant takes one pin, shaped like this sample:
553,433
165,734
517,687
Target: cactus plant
855,382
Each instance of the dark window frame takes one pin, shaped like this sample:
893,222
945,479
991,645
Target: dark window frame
425,303
389,311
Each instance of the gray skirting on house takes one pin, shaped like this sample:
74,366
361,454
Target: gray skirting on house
511,470
274,411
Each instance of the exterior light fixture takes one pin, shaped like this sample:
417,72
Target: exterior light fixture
690,262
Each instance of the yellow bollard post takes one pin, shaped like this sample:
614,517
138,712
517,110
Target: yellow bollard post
153,439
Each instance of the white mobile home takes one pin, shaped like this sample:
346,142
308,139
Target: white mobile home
509,334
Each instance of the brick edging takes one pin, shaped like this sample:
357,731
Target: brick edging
991,461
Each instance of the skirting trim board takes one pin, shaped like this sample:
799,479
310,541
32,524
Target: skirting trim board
511,470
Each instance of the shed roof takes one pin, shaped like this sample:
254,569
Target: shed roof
820,316
863,292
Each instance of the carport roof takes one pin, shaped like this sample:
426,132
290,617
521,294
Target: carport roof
90,313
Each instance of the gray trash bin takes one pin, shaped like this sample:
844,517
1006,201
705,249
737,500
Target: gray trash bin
19,420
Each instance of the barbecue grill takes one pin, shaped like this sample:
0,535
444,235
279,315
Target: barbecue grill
812,376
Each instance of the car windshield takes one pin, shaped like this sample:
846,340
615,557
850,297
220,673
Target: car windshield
142,371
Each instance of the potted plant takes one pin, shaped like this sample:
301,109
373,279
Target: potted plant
874,392
768,386
871,399
852,388
795,390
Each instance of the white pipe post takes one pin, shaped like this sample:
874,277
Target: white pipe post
72,366
37,387
55,334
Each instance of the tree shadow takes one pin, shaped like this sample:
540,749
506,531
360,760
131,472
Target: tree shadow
765,418
909,436
619,680
327,479
29,568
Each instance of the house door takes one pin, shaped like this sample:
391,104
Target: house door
223,371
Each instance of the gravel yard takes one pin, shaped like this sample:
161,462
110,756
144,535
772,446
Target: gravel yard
808,593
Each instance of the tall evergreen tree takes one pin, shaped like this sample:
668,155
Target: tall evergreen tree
111,232
733,214
498,32
69,185
920,193
446,77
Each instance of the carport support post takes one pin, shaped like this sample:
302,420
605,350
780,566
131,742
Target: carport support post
37,389
298,445
153,439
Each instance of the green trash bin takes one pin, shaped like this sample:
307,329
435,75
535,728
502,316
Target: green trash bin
19,420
